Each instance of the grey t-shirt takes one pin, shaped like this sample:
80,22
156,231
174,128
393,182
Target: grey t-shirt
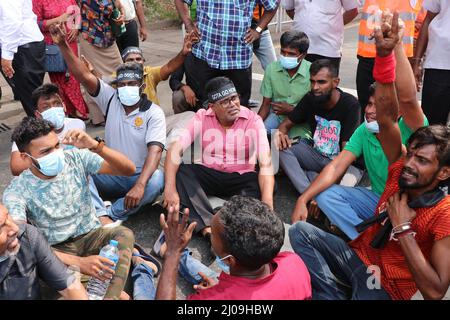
19,274
131,134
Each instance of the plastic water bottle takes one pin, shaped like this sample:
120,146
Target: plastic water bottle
96,288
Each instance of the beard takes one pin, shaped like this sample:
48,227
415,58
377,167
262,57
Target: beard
322,98
404,184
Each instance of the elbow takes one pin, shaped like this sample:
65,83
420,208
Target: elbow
129,169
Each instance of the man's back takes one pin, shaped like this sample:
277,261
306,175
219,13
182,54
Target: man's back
289,280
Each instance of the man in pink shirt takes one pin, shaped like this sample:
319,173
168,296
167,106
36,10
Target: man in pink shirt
246,238
231,139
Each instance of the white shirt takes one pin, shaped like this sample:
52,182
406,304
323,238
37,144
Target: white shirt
18,25
131,134
438,49
69,124
323,23
130,10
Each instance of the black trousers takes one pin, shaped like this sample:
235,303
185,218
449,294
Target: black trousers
313,57
196,182
242,78
364,79
29,67
130,38
436,95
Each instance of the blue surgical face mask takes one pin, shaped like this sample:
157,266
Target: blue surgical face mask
289,63
129,95
52,164
222,265
55,115
372,126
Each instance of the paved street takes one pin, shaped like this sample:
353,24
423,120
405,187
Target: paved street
162,45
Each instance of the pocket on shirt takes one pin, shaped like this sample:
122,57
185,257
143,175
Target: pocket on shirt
331,7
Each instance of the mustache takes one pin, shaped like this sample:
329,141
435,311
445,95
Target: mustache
409,171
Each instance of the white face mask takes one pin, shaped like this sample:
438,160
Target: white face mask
129,95
372,126
55,115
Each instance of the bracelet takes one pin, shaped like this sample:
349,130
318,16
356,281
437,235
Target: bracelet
401,227
403,234
384,69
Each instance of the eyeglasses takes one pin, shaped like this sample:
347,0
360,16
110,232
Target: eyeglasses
224,103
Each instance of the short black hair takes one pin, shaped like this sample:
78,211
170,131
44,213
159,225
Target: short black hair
46,91
253,233
437,135
30,128
295,40
318,65
131,66
372,89
216,83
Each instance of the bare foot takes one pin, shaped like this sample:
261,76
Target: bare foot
104,220
137,260
163,249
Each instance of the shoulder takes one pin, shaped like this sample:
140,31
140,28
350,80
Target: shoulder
148,70
154,112
71,123
272,67
348,100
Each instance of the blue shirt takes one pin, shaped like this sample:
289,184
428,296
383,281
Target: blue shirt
61,207
223,25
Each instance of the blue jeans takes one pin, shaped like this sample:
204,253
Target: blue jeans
266,52
347,207
100,209
143,285
189,268
118,186
337,273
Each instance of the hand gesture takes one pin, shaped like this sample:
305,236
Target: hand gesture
388,35
189,40
177,234
282,140
97,266
300,212
58,33
189,95
7,68
206,283
398,209
251,35
72,36
134,196
171,199
87,63
281,108
80,139
192,27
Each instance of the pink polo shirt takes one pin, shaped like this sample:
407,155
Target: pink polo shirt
235,149
289,280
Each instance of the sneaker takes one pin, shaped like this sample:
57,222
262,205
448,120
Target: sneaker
159,242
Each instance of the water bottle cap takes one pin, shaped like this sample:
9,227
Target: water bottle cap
114,243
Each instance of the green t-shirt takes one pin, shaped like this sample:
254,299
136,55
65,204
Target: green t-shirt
280,87
366,143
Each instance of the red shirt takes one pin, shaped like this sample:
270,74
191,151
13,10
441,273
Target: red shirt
431,225
289,281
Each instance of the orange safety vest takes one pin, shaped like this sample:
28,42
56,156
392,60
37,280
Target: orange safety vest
371,16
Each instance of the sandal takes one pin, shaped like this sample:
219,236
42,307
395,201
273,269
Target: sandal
148,257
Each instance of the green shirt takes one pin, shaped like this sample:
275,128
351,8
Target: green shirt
366,143
278,86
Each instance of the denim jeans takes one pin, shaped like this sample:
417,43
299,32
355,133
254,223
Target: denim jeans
189,268
143,285
347,207
118,186
266,52
337,273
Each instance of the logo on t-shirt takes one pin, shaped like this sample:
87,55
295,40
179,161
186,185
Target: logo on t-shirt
326,137
138,122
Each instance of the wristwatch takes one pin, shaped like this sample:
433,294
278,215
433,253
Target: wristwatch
100,145
258,29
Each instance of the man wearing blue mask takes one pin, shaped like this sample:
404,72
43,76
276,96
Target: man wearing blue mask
50,107
346,207
285,83
134,126
53,195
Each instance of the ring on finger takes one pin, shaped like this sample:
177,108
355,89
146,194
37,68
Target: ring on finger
101,273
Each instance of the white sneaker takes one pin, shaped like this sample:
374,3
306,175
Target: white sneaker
107,204
159,242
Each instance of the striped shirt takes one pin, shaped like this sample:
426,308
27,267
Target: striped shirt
431,224
223,25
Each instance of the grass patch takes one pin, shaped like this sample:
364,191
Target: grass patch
156,10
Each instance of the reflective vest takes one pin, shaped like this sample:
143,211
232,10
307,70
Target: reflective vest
371,16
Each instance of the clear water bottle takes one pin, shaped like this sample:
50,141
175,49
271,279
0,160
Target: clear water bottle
96,288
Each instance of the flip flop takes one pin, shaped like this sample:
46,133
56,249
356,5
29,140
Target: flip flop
148,257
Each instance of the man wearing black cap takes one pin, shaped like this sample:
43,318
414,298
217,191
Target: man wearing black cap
134,125
232,139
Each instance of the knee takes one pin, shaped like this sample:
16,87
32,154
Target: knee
299,233
125,237
328,194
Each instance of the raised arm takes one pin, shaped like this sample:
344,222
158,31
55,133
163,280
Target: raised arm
76,67
184,16
385,93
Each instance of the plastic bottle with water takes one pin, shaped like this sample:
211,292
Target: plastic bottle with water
96,288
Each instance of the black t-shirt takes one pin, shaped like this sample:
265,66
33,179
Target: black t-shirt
329,127
19,274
